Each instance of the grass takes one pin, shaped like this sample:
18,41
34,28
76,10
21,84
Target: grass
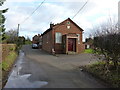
6,65
98,70
89,51
9,60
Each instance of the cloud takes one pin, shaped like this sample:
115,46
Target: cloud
95,12
21,0
45,0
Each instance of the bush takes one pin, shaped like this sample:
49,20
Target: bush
12,48
6,49
98,70
107,42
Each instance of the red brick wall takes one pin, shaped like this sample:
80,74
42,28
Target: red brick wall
47,42
63,29
49,37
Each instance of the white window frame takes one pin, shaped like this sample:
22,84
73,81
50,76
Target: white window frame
58,37
78,38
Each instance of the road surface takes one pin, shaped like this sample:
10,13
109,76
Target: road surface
38,69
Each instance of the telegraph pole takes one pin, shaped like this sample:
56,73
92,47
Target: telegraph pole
119,14
18,30
18,35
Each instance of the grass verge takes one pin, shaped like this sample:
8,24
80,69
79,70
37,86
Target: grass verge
6,65
98,70
89,51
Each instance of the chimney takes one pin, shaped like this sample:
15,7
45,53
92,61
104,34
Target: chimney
51,25
38,35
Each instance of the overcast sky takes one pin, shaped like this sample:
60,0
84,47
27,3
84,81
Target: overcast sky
93,14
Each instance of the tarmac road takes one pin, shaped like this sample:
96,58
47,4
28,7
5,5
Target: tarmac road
38,69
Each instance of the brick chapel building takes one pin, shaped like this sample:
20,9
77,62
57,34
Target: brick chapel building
64,37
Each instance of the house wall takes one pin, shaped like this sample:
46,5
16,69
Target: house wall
47,42
63,29
36,39
49,38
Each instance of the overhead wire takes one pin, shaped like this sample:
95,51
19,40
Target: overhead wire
80,9
33,12
53,18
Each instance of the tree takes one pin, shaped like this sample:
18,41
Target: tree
107,42
21,40
11,36
28,41
2,20
1,2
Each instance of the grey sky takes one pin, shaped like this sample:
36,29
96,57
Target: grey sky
94,13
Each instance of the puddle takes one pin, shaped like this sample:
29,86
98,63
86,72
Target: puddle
21,81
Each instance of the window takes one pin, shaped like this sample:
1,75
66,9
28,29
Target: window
68,27
58,37
68,22
78,38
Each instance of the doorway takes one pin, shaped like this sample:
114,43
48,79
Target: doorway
72,44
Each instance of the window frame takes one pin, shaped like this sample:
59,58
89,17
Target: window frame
58,39
78,38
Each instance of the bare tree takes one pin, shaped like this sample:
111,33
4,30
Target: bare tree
11,36
107,42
